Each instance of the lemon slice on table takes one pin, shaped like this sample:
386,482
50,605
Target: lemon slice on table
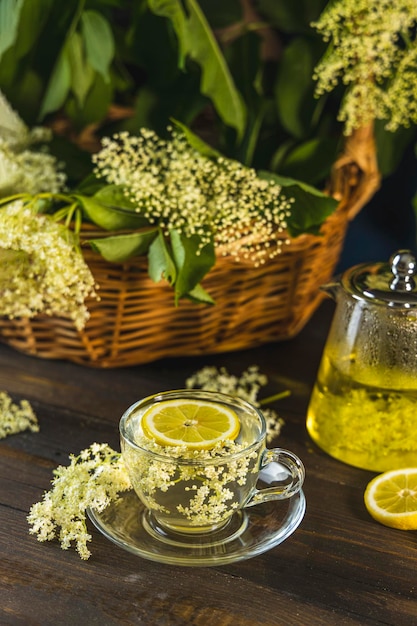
391,498
196,424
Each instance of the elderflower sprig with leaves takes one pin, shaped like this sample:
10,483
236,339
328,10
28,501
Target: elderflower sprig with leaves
176,200
373,52
94,478
16,418
203,196
246,386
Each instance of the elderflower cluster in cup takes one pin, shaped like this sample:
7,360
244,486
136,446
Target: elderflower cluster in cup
213,198
373,51
41,270
204,479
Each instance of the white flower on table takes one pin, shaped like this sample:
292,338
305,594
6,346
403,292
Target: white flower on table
94,478
15,418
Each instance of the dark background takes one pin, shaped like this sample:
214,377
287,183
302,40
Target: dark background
388,222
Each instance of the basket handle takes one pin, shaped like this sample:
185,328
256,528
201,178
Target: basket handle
355,176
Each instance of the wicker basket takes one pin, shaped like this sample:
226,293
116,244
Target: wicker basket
136,320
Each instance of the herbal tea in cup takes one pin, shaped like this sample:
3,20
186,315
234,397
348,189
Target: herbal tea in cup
194,459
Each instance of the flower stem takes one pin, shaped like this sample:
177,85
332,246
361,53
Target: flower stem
275,397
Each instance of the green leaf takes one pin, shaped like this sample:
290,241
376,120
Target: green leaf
58,86
173,10
32,19
27,96
120,248
98,41
311,160
196,142
160,61
82,74
192,262
161,264
311,206
391,146
9,21
77,161
197,41
200,295
8,71
280,154
244,56
114,196
90,184
96,104
221,14
26,67
294,88
108,217
291,16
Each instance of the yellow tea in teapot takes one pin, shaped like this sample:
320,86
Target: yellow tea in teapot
356,419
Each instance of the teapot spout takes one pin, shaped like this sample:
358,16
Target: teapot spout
331,288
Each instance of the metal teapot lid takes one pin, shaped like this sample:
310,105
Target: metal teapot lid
392,284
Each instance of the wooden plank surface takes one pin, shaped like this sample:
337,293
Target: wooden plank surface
340,567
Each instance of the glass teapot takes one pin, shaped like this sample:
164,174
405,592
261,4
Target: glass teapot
363,408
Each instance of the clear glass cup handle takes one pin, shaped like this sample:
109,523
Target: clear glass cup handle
292,482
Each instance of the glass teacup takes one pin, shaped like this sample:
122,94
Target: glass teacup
198,491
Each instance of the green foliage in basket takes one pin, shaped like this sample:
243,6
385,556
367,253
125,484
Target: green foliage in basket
70,63
176,200
263,88
242,79
240,73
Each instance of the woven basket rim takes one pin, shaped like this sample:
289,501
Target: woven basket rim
136,320
354,179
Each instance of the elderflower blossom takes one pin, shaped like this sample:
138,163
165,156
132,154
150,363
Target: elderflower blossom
93,479
372,52
174,186
25,164
41,271
28,172
15,418
247,387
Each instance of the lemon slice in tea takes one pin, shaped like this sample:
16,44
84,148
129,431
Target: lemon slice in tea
391,498
196,424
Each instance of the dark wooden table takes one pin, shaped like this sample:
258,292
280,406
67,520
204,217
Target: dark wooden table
339,567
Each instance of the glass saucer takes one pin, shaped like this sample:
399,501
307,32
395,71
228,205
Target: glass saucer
249,533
